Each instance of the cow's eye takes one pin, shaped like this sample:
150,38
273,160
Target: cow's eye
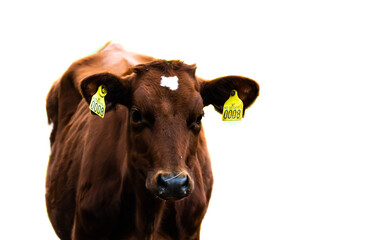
136,116
198,120
194,123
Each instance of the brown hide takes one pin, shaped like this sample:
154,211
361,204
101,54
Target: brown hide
143,171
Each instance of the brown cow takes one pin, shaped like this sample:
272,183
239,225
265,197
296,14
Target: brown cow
143,171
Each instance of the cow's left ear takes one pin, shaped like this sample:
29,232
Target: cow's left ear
217,91
117,88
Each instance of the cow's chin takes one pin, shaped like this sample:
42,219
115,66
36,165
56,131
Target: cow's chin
170,186
173,197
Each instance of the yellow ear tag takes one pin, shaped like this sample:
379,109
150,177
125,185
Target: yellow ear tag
233,108
97,104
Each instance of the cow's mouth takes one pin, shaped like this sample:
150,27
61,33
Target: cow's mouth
171,186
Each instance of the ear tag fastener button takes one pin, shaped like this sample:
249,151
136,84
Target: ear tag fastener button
233,108
97,104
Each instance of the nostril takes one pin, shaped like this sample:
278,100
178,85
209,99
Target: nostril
185,181
162,181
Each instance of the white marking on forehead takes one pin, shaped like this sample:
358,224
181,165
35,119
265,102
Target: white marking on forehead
170,82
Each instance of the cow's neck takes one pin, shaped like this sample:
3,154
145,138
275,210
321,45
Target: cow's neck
148,214
148,208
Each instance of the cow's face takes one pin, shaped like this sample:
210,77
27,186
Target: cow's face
165,102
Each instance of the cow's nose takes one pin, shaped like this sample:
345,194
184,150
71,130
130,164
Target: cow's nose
173,186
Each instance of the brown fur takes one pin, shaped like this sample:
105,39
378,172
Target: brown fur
101,174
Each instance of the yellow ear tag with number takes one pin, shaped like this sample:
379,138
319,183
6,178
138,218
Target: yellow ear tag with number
233,108
97,104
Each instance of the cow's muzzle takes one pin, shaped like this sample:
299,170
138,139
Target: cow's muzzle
171,185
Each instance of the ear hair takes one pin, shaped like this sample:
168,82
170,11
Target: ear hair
117,89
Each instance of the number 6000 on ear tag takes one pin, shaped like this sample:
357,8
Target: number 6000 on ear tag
97,104
233,108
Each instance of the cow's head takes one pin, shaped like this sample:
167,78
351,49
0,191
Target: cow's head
165,101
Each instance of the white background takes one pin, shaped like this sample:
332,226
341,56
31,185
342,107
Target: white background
303,164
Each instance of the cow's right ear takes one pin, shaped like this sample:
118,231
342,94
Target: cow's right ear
117,89
217,91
